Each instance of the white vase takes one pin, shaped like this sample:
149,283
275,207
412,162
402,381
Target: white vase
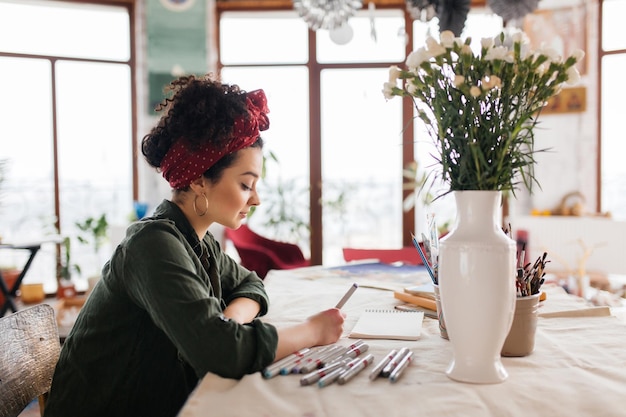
477,287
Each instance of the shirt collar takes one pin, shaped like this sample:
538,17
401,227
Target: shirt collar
170,211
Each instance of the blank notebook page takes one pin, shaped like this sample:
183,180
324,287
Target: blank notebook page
388,324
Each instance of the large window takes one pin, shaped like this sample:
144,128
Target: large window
65,124
340,146
613,91
337,135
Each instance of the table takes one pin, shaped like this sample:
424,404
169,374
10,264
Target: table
10,293
578,367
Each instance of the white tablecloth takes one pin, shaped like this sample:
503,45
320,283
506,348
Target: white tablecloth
578,367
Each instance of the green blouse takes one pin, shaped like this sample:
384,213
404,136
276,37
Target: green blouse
153,325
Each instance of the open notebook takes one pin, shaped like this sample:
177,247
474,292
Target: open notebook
388,324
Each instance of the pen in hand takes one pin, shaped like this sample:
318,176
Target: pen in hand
347,296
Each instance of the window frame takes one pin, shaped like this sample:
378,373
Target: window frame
130,6
602,53
315,135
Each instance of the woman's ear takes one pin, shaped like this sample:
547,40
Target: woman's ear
199,185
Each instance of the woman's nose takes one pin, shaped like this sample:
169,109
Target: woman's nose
254,199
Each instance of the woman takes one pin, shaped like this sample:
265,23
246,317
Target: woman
171,306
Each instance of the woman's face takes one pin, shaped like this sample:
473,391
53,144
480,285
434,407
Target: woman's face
232,196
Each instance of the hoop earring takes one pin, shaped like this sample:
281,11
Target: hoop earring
206,203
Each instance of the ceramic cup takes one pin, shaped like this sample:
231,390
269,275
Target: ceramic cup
32,293
442,324
521,338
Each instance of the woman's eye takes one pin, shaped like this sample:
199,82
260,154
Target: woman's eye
245,187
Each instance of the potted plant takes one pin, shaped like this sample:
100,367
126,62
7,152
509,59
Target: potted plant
95,232
65,285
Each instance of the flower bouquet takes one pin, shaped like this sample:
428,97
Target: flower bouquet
481,109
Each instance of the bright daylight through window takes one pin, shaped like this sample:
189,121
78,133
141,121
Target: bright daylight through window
88,79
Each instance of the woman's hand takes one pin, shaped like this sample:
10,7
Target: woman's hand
327,325
322,328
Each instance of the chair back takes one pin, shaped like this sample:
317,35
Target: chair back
407,255
29,351
261,254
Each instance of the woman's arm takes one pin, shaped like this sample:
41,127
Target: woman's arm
320,329
242,310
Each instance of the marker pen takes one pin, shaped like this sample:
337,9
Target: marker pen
394,362
350,373
383,362
397,371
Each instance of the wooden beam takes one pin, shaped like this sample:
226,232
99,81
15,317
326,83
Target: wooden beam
288,4
105,2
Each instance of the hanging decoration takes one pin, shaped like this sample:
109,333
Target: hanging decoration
341,35
512,9
452,15
371,7
422,10
326,14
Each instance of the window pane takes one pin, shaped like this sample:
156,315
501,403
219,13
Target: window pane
95,164
262,38
613,28
613,140
387,47
27,194
362,158
76,30
288,139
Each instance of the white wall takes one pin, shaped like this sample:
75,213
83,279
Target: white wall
570,165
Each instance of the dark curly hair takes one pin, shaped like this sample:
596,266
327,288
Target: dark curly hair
199,109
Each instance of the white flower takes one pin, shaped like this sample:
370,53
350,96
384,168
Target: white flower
447,38
550,53
415,58
487,83
466,50
431,43
394,73
467,96
517,37
410,88
573,76
497,52
486,43
578,54
388,90
434,48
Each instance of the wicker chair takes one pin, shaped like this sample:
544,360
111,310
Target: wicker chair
29,351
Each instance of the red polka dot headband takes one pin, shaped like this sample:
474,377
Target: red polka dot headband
181,164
